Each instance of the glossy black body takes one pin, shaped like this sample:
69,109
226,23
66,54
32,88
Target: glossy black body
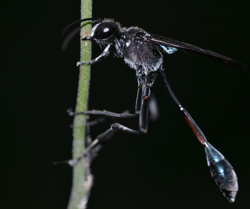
142,52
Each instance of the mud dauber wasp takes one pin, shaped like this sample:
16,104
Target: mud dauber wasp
142,51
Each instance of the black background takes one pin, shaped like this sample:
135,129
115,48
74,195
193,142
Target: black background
165,168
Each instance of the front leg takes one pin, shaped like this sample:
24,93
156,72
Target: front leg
104,54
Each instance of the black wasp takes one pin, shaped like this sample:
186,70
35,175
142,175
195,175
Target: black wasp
142,51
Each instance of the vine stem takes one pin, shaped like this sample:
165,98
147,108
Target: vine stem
82,180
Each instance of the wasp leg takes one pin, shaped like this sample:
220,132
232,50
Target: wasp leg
103,112
153,108
101,139
145,84
104,54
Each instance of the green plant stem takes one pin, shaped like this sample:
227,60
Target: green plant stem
80,187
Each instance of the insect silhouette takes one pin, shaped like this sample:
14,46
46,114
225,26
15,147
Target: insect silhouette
142,51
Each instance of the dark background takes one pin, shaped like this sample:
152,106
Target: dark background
165,168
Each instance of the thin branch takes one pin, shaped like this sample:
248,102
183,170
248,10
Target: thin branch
82,180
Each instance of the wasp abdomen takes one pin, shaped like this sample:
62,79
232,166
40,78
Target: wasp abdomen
222,172
225,177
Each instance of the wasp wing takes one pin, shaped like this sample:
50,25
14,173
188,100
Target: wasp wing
178,44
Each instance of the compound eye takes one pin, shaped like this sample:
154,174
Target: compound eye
105,30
